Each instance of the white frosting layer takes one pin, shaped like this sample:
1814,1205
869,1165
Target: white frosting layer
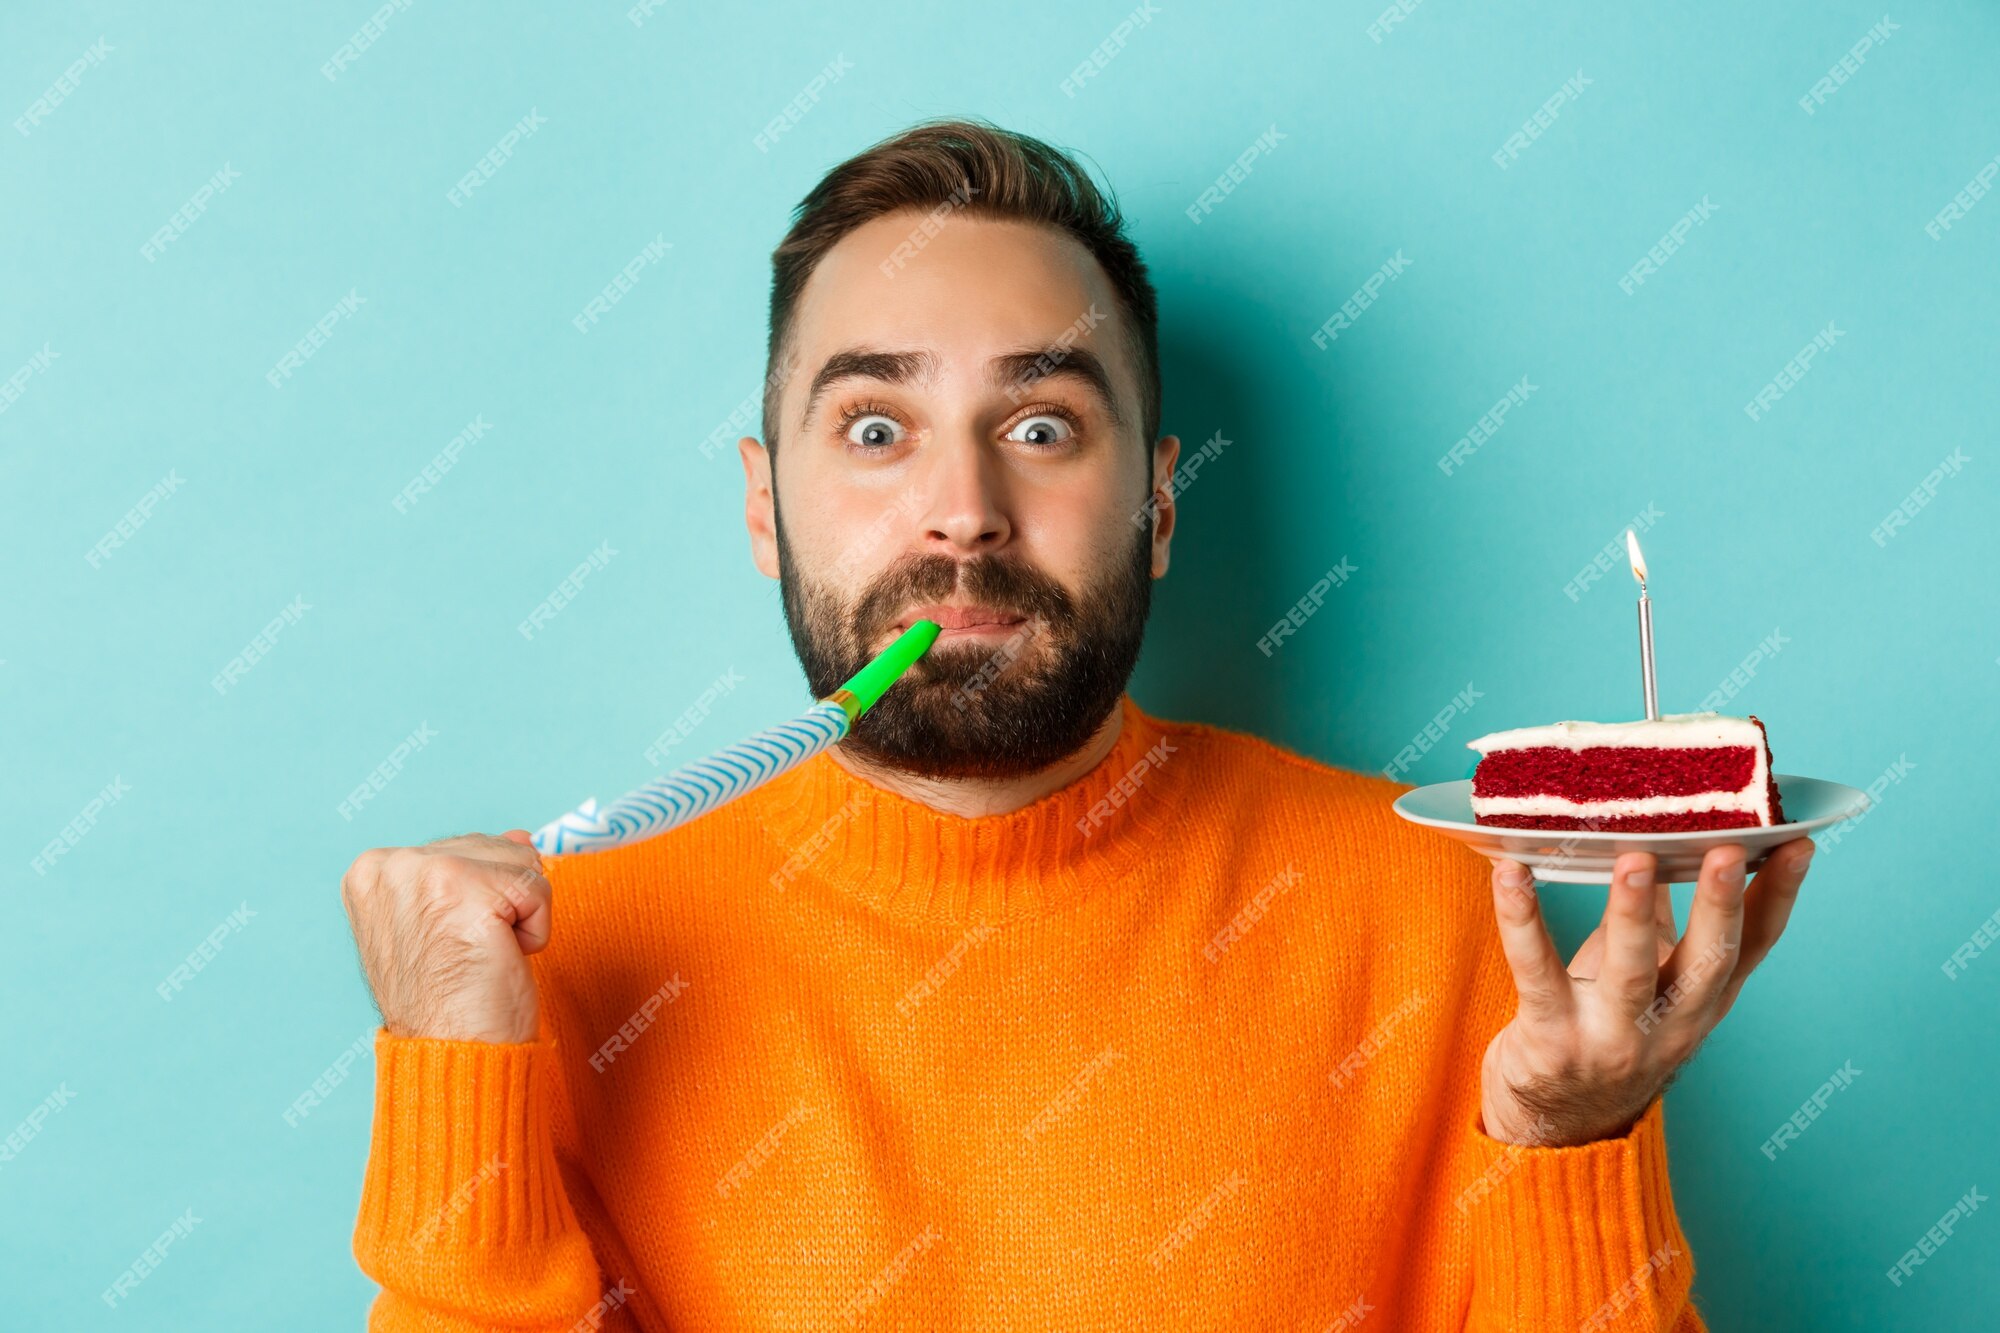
1638,805
1673,731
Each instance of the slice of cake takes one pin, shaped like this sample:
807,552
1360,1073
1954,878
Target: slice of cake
1685,772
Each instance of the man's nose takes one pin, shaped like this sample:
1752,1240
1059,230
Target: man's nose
965,500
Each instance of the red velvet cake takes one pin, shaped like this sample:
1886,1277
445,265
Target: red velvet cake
1682,773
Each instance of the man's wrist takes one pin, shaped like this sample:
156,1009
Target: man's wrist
517,1030
1559,1116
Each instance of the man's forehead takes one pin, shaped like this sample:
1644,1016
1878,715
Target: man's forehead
974,289
910,248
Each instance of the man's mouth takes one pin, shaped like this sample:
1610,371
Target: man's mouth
962,621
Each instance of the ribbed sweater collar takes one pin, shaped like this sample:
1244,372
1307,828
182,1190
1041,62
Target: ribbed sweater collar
905,859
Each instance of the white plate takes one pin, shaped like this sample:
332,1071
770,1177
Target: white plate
1563,856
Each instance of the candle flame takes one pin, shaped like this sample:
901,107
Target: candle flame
1638,560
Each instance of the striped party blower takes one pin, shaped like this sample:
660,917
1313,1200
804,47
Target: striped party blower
727,774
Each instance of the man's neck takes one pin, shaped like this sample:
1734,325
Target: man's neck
974,797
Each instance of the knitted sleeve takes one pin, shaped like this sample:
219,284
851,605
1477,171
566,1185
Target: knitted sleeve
464,1219
1582,1239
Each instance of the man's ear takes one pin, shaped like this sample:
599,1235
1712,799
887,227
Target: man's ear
1166,453
759,506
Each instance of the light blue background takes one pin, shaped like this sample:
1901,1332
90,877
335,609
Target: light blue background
1892,651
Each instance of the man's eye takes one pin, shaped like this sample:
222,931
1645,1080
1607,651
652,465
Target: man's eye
874,431
1043,430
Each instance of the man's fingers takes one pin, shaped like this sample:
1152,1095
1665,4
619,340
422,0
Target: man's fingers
486,847
522,898
517,892
1709,952
1589,959
1589,956
1768,904
533,930
1770,898
1663,915
1630,972
1539,975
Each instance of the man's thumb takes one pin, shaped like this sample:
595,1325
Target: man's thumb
519,835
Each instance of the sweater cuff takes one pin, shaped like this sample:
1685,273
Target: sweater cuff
1581,1238
462,1187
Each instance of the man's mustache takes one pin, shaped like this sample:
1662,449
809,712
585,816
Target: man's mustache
1004,585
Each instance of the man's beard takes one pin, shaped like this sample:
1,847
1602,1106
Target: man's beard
982,708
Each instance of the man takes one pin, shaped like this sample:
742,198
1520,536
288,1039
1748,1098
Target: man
1022,1008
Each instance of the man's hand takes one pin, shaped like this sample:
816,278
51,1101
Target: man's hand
444,932
1593,1044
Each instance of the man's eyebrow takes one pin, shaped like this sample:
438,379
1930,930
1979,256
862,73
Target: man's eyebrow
870,363
1022,370
1017,371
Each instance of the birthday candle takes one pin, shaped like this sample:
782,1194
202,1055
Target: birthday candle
1646,683
745,766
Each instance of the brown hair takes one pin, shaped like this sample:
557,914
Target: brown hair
931,165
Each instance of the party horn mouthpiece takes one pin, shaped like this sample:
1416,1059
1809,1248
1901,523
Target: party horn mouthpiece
867,685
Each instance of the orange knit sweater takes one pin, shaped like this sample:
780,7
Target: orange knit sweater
1192,1043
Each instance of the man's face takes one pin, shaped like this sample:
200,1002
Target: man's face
961,436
